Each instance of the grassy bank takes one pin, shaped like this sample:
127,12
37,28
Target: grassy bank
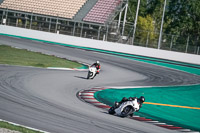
22,57
16,128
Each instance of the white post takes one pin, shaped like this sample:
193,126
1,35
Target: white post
171,44
104,36
147,41
119,21
138,6
198,50
2,17
186,49
125,18
160,37
4,21
31,20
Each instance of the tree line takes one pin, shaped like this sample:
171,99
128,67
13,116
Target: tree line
182,17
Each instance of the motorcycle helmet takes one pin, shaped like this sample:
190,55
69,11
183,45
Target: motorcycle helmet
97,62
141,99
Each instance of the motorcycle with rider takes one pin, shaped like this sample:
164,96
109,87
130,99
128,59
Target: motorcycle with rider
127,106
94,69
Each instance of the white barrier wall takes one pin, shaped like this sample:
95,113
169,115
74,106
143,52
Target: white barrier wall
78,41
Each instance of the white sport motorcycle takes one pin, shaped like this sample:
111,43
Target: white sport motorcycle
92,71
125,109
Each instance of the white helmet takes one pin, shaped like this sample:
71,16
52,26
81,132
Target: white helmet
97,62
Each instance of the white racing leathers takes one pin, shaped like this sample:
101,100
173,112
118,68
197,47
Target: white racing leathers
91,72
127,108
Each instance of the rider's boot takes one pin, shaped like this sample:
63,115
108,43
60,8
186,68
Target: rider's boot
131,115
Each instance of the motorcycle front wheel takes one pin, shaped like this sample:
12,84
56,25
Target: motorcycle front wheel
111,111
90,74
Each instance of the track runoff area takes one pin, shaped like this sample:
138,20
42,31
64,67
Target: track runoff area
174,105
177,105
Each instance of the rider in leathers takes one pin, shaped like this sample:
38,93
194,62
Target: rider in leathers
138,102
97,65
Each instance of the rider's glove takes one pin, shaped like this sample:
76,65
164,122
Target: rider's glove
116,104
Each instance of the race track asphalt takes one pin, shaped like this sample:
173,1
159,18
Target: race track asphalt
46,99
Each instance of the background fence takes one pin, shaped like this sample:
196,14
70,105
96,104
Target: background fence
111,32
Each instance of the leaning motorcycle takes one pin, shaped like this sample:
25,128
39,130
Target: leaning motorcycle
92,71
125,109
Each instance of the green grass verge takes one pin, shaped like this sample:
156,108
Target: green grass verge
22,57
21,129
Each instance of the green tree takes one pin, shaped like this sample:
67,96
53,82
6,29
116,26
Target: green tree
184,16
155,9
145,26
133,7
145,23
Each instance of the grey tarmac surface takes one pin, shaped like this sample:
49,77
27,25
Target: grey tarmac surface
46,99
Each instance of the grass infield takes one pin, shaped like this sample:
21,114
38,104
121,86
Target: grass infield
21,129
22,57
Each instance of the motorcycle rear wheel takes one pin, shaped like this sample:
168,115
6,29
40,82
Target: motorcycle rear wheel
127,111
